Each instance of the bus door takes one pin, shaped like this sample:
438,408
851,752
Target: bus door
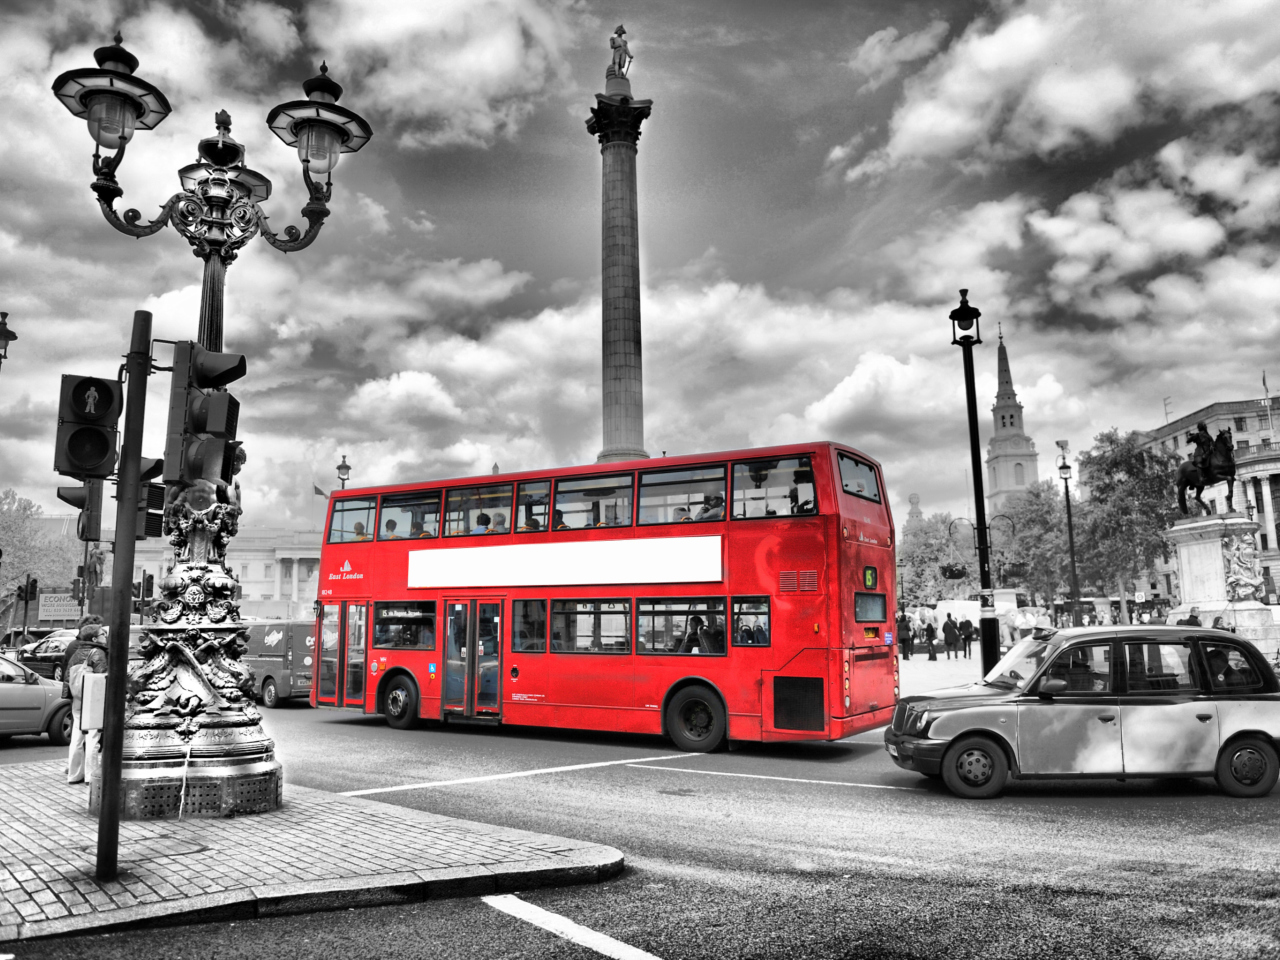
473,656
344,631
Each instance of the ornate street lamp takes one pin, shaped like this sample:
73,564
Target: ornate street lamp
217,210
966,334
7,337
1064,471
344,471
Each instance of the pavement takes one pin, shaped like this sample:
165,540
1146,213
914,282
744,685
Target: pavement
319,851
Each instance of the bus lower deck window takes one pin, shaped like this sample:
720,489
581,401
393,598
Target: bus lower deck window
774,488
406,625
528,626
751,621
591,626
680,625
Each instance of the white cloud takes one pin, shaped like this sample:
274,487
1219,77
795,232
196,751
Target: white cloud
448,71
881,55
374,213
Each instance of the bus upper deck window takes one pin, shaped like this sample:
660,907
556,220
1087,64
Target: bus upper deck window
774,488
858,478
473,510
353,520
592,502
691,494
533,507
409,516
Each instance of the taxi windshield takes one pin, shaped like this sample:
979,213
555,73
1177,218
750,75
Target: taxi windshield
1020,664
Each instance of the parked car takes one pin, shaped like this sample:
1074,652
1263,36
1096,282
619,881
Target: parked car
281,654
1103,702
11,637
45,656
31,704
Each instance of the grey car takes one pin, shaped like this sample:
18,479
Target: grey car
31,704
1103,702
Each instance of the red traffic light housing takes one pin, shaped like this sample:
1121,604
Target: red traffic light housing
88,409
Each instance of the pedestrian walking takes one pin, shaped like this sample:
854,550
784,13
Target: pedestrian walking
966,636
905,640
951,637
930,635
91,657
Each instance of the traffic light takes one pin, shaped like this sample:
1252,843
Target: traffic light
29,590
137,589
77,590
148,585
150,511
88,409
200,440
88,500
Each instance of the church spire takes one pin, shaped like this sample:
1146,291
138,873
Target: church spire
1004,390
1011,457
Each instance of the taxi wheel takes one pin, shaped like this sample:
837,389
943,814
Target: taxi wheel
695,720
402,704
975,768
1247,768
60,728
270,695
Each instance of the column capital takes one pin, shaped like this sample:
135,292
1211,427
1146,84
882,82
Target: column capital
618,119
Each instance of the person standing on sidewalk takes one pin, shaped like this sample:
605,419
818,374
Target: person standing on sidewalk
951,637
90,620
930,635
966,636
91,657
906,642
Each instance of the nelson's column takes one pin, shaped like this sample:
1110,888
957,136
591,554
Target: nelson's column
616,120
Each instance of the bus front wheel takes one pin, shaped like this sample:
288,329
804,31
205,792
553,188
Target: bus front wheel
402,704
695,720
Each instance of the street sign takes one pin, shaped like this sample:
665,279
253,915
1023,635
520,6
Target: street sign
1139,597
58,606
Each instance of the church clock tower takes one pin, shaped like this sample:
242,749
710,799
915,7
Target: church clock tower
1011,455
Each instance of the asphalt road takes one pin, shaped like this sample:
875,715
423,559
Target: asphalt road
799,850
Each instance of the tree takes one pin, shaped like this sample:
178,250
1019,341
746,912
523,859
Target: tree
1038,546
1132,502
924,547
33,546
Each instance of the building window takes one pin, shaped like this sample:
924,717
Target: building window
1242,445
1168,584
1263,538
1175,441
244,571
1241,424
1266,443
1019,475
1164,446
268,570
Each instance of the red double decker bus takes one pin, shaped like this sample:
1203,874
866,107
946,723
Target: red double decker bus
747,594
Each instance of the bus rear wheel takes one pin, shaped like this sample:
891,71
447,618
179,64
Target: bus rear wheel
402,704
695,720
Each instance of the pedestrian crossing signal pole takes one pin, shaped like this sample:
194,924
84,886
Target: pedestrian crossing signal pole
137,369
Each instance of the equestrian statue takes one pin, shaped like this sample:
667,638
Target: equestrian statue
1212,462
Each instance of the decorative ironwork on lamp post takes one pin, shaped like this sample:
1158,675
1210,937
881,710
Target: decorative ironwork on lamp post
344,471
7,337
218,208
1064,471
966,334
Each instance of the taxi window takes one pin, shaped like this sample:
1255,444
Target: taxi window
1086,669
1160,668
352,520
774,488
1230,670
858,478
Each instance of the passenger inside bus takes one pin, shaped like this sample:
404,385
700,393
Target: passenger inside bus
557,521
482,523
391,531
531,526
499,523
712,508
358,530
682,513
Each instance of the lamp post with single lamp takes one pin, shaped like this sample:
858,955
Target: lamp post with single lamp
1064,471
7,337
344,471
966,334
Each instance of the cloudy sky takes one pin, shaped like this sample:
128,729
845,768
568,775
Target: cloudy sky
817,181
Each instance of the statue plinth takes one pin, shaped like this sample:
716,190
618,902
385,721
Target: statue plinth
193,740
1219,572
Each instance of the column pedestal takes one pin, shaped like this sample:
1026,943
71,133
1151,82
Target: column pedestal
1219,573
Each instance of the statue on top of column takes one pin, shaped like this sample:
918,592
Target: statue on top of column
621,54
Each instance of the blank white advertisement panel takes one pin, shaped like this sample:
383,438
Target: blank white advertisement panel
665,560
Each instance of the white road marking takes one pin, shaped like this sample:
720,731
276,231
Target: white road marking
510,776
760,776
566,928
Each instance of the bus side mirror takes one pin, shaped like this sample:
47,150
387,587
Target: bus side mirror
1051,686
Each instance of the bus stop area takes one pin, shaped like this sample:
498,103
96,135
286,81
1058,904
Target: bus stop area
319,851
